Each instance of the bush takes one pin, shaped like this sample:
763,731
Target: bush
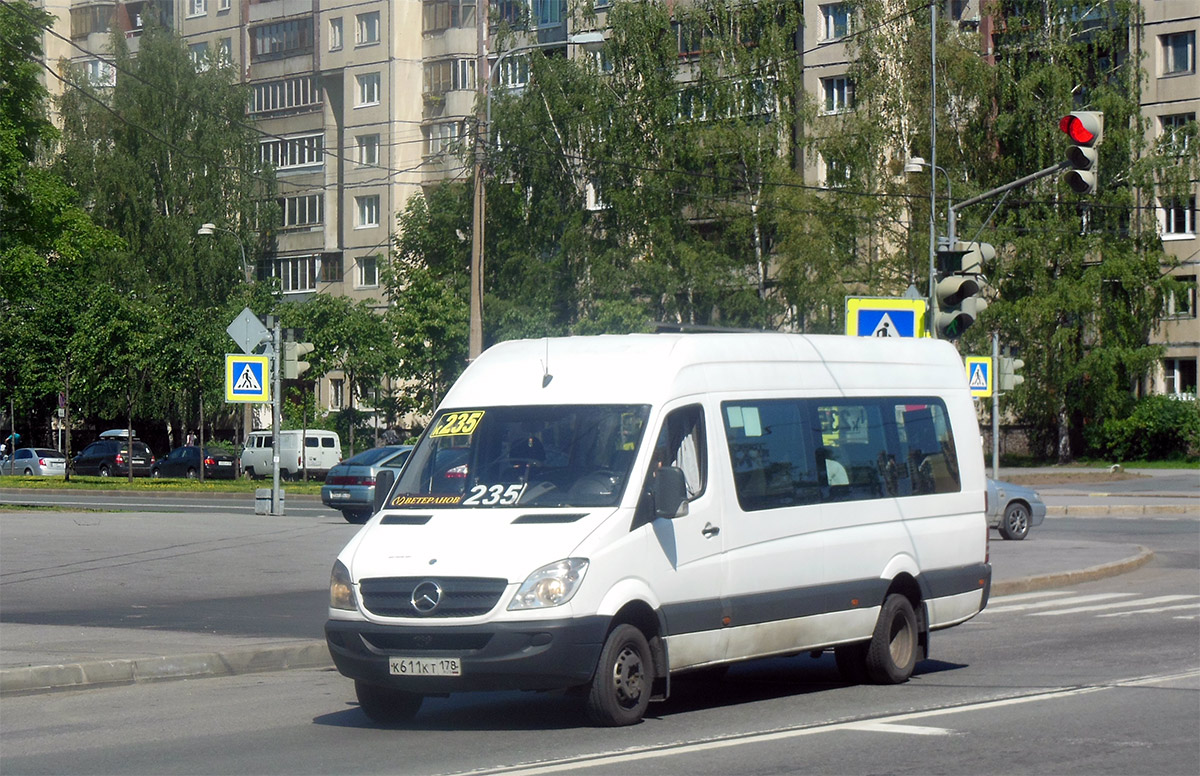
1159,428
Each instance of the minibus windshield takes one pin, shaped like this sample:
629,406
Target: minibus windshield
543,456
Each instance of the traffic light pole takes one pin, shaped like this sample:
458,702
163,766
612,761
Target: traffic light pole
952,211
995,407
276,388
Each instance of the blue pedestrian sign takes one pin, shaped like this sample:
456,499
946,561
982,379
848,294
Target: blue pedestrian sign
979,375
247,378
885,318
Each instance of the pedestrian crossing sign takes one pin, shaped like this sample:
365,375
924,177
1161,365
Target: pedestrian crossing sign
247,378
885,317
979,375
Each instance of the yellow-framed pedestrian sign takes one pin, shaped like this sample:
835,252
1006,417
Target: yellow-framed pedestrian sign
247,378
980,375
869,316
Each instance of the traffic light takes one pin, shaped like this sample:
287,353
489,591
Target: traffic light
958,292
293,367
1007,372
1086,131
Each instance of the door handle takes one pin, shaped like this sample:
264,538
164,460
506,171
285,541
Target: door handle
710,530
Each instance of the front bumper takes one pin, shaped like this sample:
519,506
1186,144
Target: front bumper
539,655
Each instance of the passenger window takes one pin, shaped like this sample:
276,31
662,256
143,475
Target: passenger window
853,450
931,459
327,442
681,444
774,463
310,441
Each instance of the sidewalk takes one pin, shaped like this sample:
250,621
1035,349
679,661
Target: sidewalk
42,658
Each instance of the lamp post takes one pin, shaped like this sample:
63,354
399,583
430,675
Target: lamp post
914,165
482,139
209,229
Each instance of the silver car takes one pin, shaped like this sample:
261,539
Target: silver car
1013,509
350,486
35,462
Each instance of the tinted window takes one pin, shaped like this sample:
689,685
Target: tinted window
24,454
327,442
310,441
793,451
368,457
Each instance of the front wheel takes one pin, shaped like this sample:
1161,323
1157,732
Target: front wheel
191,474
621,687
892,652
103,471
1015,524
386,705
156,474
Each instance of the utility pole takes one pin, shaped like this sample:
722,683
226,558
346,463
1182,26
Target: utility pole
479,207
276,411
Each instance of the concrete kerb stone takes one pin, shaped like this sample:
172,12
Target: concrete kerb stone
108,673
1121,510
1059,579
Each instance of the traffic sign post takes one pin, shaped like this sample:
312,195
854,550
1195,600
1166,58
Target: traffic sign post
884,317
247,378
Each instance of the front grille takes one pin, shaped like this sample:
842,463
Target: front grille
460,596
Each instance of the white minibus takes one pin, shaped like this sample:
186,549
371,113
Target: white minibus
600,514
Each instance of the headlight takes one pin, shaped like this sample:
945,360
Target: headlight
550,585
341,589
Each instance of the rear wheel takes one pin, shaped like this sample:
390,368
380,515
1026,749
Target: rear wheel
355,517
892,652
1015,523
191,474
620,690
28,472
385,705
103,470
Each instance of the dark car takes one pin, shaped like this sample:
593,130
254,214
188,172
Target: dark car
186,461
350,486
111,457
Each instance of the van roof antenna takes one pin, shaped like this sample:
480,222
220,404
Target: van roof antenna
546,376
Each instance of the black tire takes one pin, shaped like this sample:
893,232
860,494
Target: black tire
357,518
852,662
1015,523
28,472
103,470
386,705
892,652
250,473
156,473
191,474
624,678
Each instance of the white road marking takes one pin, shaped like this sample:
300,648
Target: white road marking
914,730
1007,599
1079,599
1155,610
1162,599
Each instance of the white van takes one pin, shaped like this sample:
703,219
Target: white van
602,513
322,452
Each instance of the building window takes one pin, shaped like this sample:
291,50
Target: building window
335,34
514,72
198,52
547,13
367,28
331,268
1181,303
89,19
225,51
368,89
1178,217
197,7
296,274
289,152
1176,131
448,75
368,149
281,39
1180,376
1178,52
839,94
367,210
224,5
368,271
100,73
442,138
438,15
290,93
301,211
337,393
835,21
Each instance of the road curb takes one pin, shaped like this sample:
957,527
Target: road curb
1123,510
109,673
1059,579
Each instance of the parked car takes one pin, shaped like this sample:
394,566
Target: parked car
350,486
34,462
1013,509
110,455
185,462
322,451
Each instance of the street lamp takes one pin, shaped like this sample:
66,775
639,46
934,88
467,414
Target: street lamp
479,209
209,229
915,165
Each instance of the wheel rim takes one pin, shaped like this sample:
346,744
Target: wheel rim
901,642
628,677
1018,520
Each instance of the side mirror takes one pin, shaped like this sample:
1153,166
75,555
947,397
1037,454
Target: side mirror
668,488
383,487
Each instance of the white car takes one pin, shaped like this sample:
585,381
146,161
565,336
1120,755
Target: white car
1013,509
35,462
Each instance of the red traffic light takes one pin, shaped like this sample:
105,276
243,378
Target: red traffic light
1083,127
